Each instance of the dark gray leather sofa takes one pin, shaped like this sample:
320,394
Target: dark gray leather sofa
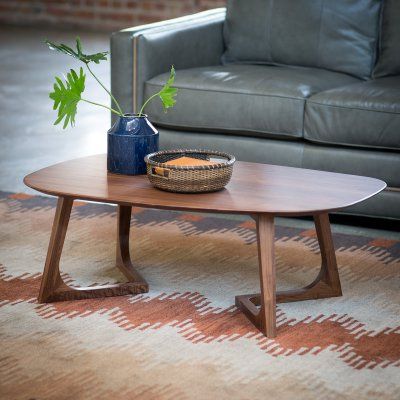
304,83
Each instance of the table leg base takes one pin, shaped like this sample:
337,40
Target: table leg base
53,288
259,308
67,293
250,304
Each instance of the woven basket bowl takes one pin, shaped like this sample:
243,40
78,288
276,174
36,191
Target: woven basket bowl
189,179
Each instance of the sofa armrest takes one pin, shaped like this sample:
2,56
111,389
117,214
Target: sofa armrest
138,54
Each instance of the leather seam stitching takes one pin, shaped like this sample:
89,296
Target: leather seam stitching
319,34
270,48
288,134
170,23
311,102
351,145
303,99
180,25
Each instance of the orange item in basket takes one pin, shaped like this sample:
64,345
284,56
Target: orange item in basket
188,162
182,162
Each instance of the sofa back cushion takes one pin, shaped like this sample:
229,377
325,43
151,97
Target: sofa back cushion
389,42
339,35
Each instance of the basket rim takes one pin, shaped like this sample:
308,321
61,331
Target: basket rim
230,159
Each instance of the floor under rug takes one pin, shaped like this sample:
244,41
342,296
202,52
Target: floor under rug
185,339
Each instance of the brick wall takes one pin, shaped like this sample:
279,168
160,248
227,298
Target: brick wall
104,15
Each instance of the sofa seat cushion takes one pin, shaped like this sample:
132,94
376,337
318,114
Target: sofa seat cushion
257,100
363,114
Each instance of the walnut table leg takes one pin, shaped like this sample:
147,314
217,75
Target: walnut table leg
53,287
257,307
263,317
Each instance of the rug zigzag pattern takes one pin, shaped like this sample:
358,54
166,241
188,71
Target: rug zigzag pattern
195,264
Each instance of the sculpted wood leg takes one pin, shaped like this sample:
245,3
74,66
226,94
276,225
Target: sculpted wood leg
51,279
123,259
263,317
52,286
326,284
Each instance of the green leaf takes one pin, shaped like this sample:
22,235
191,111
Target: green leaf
66,96
167,93
78,53
79,45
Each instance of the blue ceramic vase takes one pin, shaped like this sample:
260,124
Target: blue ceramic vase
129,140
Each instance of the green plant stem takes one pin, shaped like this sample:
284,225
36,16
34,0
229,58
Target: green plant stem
102,105
146,102
109,93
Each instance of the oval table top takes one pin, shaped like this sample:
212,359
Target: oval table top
254,188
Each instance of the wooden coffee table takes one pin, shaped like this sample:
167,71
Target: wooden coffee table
259,190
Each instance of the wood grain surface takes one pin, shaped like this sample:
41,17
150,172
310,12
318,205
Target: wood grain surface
254,188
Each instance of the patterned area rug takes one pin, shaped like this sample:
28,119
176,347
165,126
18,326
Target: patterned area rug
185,339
